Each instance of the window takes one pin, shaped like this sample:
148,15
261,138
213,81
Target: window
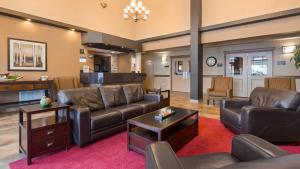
235,66
259,66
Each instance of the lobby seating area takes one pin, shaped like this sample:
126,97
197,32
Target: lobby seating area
99,112
150,84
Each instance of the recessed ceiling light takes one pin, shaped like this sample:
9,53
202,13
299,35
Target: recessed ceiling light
72,29
27,19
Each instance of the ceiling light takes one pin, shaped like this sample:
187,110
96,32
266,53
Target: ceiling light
27,19
136,11
72,29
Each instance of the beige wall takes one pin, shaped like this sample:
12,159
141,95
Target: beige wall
279,26
62,52
220,11
83,13
166,16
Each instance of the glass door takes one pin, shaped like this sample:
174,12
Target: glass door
260,66
248,70
236,68
181,74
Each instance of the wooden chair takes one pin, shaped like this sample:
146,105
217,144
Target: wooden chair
66,82
281,83
221,87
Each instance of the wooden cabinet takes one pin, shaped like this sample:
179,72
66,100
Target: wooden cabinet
43,135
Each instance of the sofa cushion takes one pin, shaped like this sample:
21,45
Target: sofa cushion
148,106
233,115
113,95
267,97
133,92
130,111
208,161
82,97
105,118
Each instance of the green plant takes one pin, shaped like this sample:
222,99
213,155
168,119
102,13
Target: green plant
296,57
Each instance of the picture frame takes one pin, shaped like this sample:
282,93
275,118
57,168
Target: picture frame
26,55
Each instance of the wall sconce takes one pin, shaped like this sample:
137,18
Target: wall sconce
289,49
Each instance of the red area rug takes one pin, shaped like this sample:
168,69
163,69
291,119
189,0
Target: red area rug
111,153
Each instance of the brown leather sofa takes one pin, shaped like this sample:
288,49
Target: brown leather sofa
281,83
98,112
247,152
271,114
221,87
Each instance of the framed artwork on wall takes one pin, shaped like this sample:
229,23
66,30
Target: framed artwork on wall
25,55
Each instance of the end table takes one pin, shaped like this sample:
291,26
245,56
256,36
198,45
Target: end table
43,135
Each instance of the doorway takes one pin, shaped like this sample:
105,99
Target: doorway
181,74
248,70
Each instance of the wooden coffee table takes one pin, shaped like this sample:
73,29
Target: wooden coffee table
177,129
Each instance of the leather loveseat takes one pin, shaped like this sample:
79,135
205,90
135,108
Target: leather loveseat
247,152
100,111
271,114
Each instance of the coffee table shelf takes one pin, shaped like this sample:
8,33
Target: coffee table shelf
177,130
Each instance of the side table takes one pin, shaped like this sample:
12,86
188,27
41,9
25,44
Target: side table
43,135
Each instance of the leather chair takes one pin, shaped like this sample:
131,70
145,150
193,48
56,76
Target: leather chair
271,114
281,83
221,87
247,152
99,112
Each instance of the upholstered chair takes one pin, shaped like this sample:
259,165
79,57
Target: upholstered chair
221,87
281,83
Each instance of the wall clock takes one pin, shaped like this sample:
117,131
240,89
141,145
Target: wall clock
211,61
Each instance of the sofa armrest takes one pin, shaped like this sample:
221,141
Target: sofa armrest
152,97
247,147
234,103
270,123
81,130
160,155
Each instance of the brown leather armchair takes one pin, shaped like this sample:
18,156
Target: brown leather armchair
221,87
281,83
247,152
271,114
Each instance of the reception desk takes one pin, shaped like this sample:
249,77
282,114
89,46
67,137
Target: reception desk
101,78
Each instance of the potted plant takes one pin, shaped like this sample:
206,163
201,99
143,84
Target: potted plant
296,57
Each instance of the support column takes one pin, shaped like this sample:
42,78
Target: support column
196,52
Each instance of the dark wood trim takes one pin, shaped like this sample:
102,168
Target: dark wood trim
161,75
252,20
167,49
8,55
167,36
246,21
249,50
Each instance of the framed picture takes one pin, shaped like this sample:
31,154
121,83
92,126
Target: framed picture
25,55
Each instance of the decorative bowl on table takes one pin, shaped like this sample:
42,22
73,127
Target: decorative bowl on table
3,76
45,102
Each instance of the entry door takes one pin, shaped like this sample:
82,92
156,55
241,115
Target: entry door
181,74
236,67
260,67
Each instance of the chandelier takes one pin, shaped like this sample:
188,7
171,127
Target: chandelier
136,11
